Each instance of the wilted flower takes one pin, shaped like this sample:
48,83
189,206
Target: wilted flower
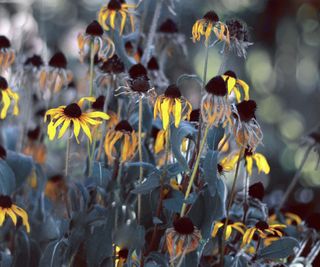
111,10
234,84
12,210
7,96
182,238
172,103
238,226
72,115
7,54
246,129
215,107
103,46
204,27
239,36
124,134
55,75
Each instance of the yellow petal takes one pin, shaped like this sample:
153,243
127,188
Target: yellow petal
160,141
216,227
247,237
165,115
262,163
64,128
249,163
177,112
76,129
2,216
24,216
12,215
89,99
6,104
228,232
245,88
86,130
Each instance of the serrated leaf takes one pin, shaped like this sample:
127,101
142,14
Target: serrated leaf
7,179
210,170
215,135
177,135
279,249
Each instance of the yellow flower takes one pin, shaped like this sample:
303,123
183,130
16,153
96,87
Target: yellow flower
12,210
73,114
124,132
171,102
110,11
238,226
204,27
121,256
7,54
7,96
94,34
263,230
289,217
215,107
233,84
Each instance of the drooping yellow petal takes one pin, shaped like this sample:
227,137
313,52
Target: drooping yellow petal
247,237
12,215
76,129
177,112
2,216
160,141
88,98
228,232
6,104
86,130
249,163
24,216
216,228
245,88
165,115
262,163
64,128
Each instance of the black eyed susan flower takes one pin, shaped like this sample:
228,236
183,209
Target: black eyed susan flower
7,54
157,76
72,116
7,96
215,107
107,15
234,84
239,36
103,46
262,229
13,211
246,128
238,226
208,24
182,238
55,76
124,136
172,106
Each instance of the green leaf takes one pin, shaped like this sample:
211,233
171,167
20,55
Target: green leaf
174,203
279,249
7,179
53,254
215,135
149,184
185,130
21,166
238,261
210,170
100,174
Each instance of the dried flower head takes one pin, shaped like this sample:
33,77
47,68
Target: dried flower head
7,54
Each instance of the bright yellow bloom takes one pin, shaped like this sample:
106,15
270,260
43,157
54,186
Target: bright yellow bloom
109,12
171,102
12,210
235,84
238,226
8,95
72,115
263,230
204,27
125,133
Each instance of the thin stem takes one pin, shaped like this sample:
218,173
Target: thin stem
245,193
194,172
223,64
67,157
232,192
296,177
91,68
140,154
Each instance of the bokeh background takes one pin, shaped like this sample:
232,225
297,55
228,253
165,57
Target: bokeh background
282,67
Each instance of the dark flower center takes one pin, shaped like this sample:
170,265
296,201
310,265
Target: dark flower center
231,74
123,253
34,134
257,191
261,225
4,42
3,83
229,221
114,5
113,65
153,64
137,71
5,202
172,91
140,85
246,110
217,86
195,115
3,152
124,126
248,152
183,226
99,103
238,29
220,168
58,60
211,16
94,28
72,111
56,178
168,26
35,61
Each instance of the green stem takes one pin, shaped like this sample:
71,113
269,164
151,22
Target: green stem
296,177
140,154
91,68
194,172
67,157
